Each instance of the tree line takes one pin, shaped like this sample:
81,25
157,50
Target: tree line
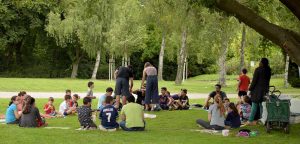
90,38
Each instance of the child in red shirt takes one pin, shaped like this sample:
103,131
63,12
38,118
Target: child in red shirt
243,84
49,108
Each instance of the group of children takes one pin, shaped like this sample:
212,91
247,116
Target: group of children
22,111
225,114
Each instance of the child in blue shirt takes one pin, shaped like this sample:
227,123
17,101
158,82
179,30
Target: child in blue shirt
108,116
101,101
12,115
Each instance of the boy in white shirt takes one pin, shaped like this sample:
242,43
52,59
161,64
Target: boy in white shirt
64,108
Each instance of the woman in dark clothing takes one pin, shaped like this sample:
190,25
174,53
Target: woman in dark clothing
30,114
259,87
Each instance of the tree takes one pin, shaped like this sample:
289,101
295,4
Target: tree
287,39
127,33
159,12
84,22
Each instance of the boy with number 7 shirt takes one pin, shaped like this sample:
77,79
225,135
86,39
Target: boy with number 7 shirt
108,116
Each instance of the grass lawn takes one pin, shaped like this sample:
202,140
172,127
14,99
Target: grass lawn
199,84
168,127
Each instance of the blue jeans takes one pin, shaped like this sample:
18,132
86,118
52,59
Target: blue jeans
123,126
151,96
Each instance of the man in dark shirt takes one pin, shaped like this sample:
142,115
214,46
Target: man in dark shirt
123,88
214,93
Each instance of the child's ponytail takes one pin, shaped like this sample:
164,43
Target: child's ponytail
27,104
13,98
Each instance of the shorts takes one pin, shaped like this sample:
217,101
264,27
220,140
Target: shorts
122,87
242,93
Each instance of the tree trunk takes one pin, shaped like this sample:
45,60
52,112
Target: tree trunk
96,65
75,62
75,69
288,40
222,60
161,58
180,58
242,49
299,70
286,72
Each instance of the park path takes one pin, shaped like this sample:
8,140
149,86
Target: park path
61,94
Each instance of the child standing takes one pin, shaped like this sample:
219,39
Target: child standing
233,117
85,114
108,115
49,108
68,92
101,101
64,108
12,115
90,93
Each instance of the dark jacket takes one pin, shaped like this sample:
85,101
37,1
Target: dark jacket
30,119
260,84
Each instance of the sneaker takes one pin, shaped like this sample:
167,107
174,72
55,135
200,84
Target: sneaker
112,130
102,128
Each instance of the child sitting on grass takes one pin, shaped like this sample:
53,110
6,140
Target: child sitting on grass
101,101
49,108
73,102
226,103
85,115
108,116
64,108
30,115
233,117
164,99
12,115
183,102
216,114
245,108
21,95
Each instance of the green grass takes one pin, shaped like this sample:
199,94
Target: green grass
169,127
199,84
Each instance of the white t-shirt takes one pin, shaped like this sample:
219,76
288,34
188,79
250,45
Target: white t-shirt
63,107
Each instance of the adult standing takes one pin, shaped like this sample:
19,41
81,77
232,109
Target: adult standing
123,88
259,87
152,97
